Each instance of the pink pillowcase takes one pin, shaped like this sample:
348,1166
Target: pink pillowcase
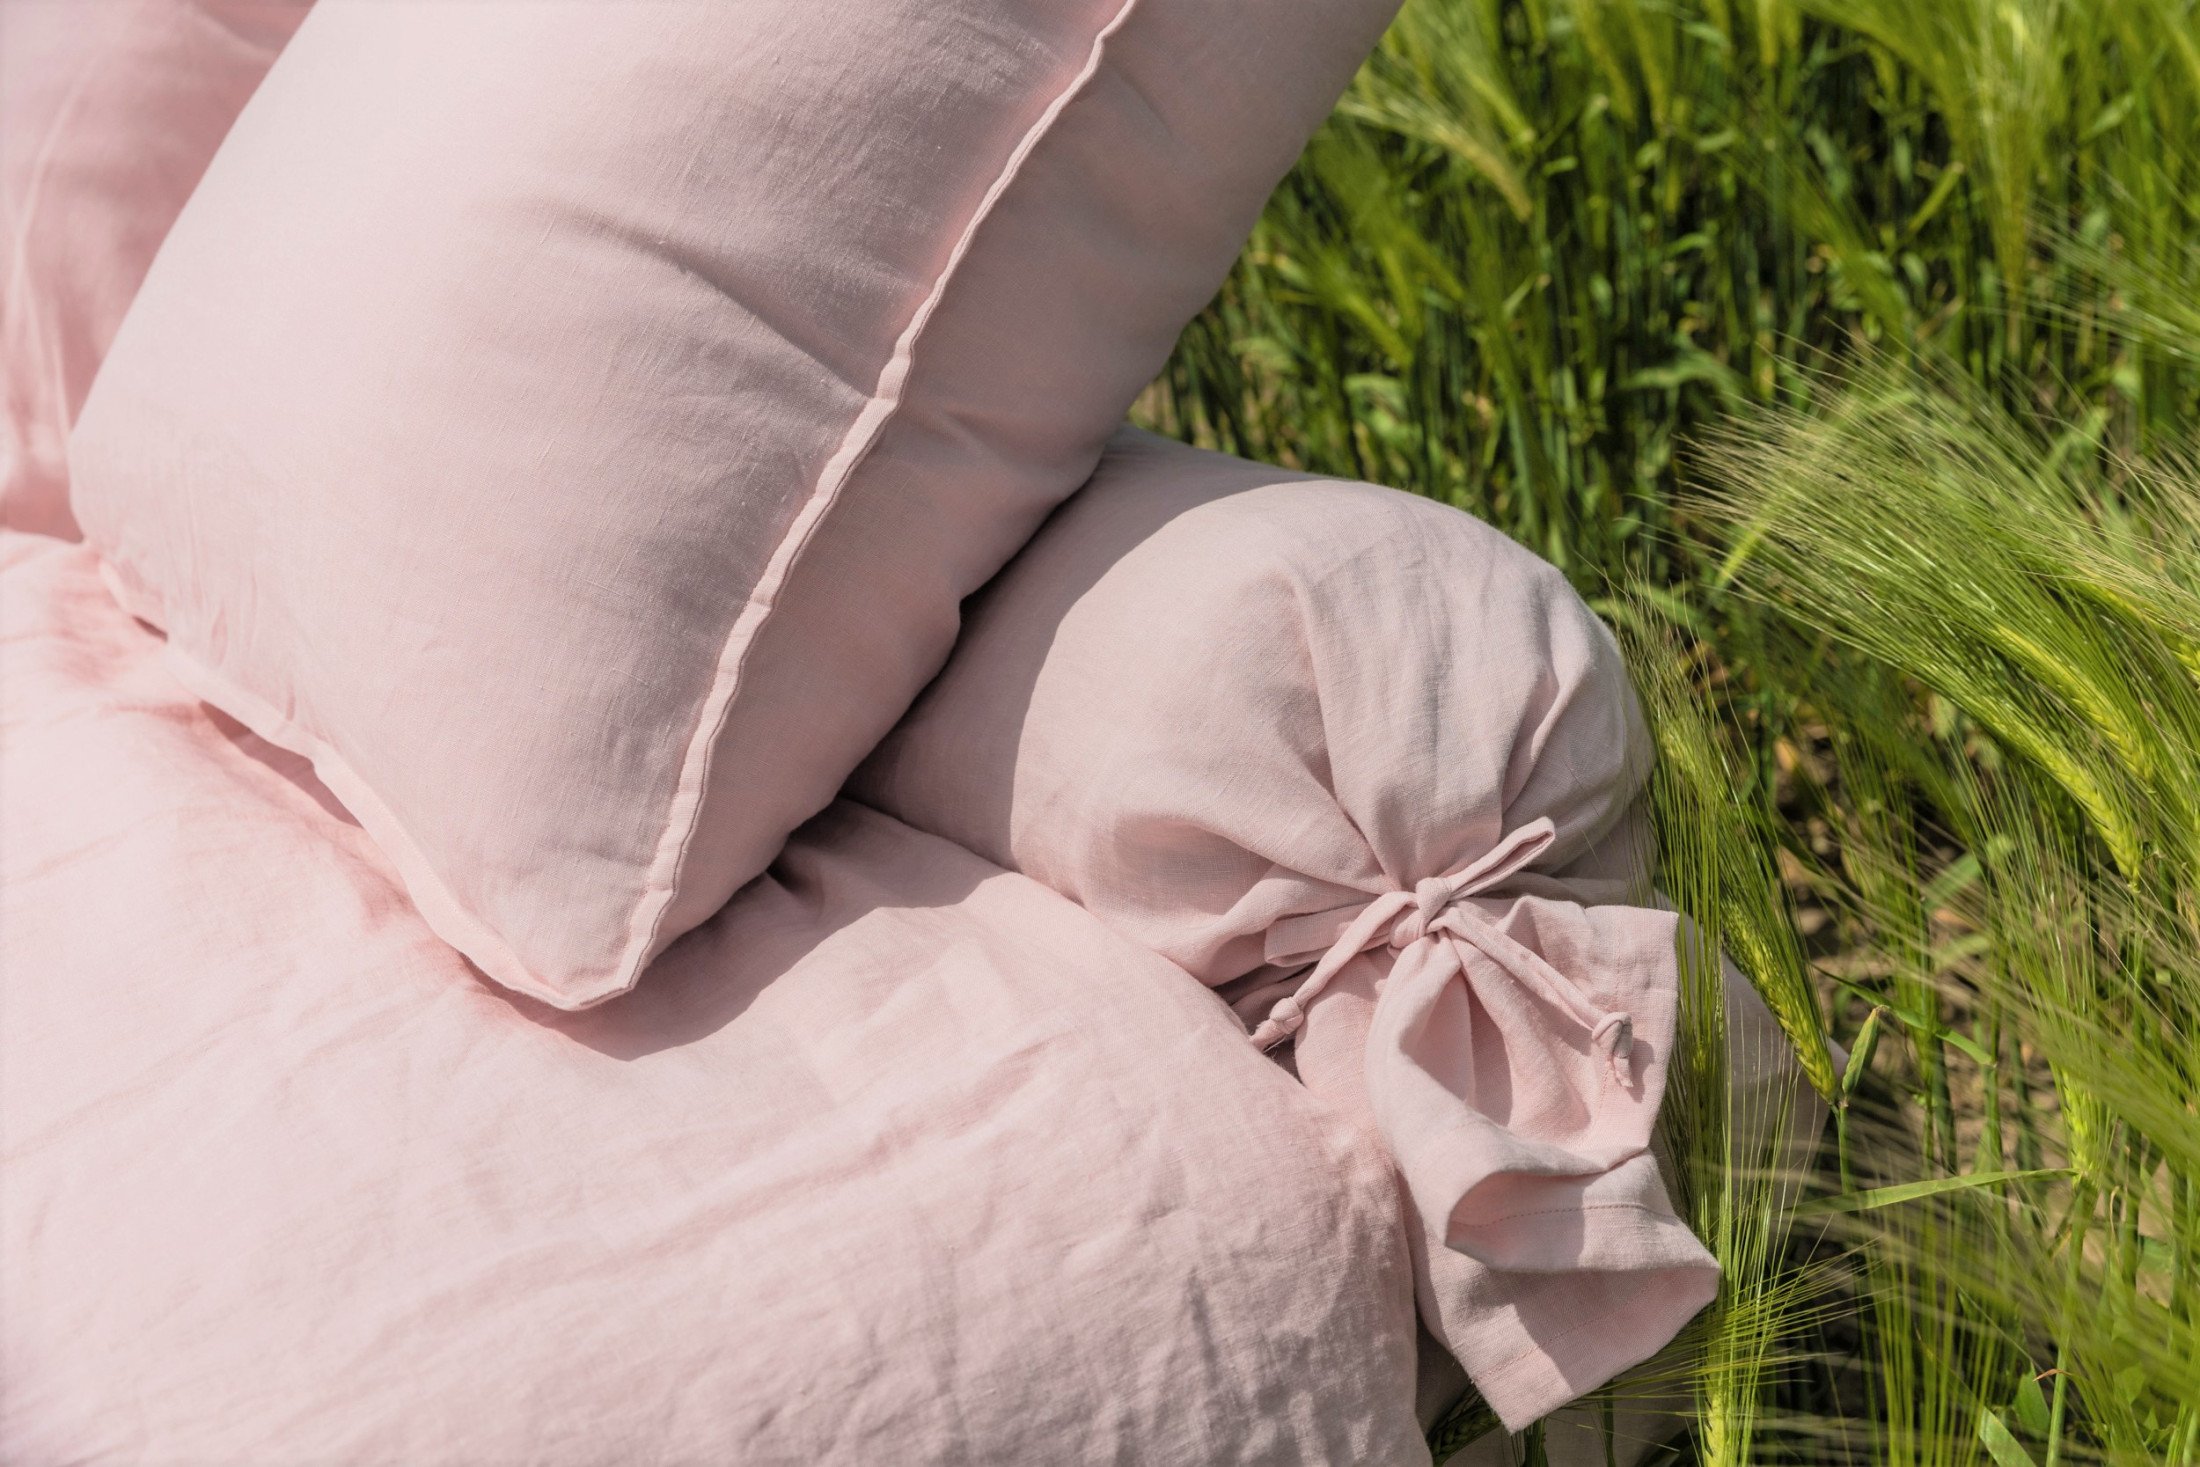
109,112
574,425
1367,762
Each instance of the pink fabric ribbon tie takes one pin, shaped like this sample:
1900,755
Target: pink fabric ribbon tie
1435,910
1504,1057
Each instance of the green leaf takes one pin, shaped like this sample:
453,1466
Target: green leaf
1960,949
1960,876
2000,1444
1860,1051
2111,116
2031,1406
1934,200
1919,1024
1879,1197
1969,1046
1688,364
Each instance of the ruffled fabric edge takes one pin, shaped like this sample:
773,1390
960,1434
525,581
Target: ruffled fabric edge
1511,1054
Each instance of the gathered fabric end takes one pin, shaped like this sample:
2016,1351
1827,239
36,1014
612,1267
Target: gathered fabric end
1283,1021
1511,1057
1436,909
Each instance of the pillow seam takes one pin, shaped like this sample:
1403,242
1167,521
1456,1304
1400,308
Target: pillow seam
682,817
446,915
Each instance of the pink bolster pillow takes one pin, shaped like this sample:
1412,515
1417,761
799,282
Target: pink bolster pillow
574,425
1366,764
109,112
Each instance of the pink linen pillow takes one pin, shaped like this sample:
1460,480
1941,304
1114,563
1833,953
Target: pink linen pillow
1370,764
108,115
574,425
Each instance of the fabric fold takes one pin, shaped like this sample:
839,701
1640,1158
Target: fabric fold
1511,1053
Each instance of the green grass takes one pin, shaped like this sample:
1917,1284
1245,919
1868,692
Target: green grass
1847,354
1543,243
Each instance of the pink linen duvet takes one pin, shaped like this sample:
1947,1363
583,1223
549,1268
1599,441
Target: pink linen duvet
901,1158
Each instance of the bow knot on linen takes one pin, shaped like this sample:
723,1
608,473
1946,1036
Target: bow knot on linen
1431,896
1437,909
1509,1050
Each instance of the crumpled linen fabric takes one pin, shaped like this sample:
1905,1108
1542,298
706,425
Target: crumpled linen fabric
900,1158
109,113
1365,765
573,424
1775,1120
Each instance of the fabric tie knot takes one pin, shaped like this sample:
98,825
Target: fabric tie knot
1492,1049
1616,1037
1508,1048
1436,908
1431,896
